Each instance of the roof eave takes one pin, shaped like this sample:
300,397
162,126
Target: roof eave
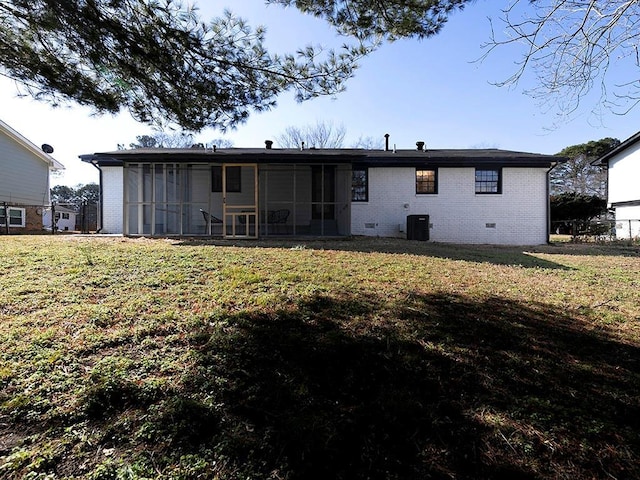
53,164
604,160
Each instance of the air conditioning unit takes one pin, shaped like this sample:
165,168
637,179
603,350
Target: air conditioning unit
418,227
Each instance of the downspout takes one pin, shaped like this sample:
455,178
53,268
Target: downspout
100,213
549,202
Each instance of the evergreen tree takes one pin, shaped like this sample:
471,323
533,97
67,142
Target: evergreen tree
578,175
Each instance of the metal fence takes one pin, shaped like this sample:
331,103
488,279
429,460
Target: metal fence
16,218
627,229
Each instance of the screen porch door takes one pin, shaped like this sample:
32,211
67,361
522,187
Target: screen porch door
240,200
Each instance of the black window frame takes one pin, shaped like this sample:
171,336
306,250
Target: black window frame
360,186
234,179
420,182
488,185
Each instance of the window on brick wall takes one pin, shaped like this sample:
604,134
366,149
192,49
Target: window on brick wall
488,180
426,180
17,217
359,185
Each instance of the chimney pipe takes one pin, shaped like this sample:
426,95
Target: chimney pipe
386,142
420,146
301,145
268,144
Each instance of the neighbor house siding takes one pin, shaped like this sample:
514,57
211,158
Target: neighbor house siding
112,200
624,172
24,178
517,216
628,222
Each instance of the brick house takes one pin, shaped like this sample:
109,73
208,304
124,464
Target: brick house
24,182
460,196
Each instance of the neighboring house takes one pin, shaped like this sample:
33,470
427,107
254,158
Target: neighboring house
65,219
24,182
623,195
461,196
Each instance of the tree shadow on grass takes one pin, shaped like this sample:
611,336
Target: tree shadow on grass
440,386
494,254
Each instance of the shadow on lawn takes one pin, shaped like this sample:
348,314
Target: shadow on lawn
495,254
441,386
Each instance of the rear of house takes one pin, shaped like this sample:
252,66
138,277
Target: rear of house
459,196
24,182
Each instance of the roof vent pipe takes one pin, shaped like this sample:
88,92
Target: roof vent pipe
386,142
301,145
420,146
268,144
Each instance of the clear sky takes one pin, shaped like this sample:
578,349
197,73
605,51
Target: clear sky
430,90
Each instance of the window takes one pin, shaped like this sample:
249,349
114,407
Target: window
233,179
426,180
360,185
16,217
65,216
488,180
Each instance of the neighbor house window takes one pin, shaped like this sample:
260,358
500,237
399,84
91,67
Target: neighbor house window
488,180
426,180
16,217
65,216
360,185
233,179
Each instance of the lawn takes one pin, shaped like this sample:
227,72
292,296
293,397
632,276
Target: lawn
355,359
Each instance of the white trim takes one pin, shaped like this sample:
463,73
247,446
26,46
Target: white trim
23,217
45,157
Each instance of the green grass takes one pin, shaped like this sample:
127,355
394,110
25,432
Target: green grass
377,359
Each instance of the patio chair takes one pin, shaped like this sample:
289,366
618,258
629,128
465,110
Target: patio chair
208,216
278,218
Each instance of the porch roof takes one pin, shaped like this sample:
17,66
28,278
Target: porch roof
353,156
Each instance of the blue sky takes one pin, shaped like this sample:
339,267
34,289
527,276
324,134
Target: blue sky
430,90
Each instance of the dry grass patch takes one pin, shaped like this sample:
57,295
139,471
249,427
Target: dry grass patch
137,358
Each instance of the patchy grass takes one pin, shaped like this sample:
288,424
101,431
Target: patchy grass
354,359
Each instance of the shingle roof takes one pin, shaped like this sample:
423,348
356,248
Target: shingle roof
360,157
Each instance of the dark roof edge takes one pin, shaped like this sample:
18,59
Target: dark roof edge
443,158
604,160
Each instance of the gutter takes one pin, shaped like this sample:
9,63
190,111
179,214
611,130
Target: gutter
554,165
100,197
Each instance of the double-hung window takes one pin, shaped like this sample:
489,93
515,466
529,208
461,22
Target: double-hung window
488,180
426,180
16,216
359,185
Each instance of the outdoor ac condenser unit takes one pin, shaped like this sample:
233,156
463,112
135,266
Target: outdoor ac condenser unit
418,227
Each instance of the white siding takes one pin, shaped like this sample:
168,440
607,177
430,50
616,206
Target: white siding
112,199
24,178
624,171
457,214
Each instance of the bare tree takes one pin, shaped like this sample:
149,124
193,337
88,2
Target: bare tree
320,135
369,143
571,46
220,143
163,140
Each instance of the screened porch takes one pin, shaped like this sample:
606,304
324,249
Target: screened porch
237,200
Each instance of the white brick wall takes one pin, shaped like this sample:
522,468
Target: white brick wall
457,213
112,199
